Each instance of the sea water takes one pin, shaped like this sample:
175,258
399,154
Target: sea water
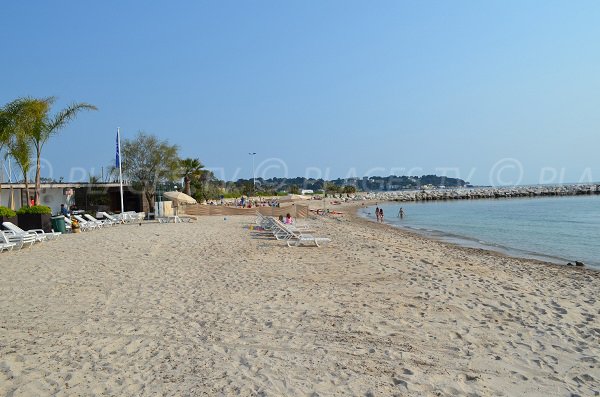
555,229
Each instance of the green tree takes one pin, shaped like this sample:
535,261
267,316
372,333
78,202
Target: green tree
147,161
191,169
330,187
207,186
349,189
294,189
247,188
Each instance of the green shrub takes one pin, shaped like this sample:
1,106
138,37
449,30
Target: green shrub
7,212
35,209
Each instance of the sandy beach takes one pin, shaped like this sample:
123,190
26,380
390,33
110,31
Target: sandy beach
211,308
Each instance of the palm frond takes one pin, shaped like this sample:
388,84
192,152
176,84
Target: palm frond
63,117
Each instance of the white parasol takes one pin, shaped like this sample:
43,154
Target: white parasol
181,198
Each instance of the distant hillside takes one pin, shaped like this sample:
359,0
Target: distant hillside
374,183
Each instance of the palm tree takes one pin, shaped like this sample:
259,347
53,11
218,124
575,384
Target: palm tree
25,121
48,126
190,169
20,149
5,135
16,119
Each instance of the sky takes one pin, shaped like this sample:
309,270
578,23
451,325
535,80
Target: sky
495,92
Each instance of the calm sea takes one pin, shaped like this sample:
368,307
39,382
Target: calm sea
560,230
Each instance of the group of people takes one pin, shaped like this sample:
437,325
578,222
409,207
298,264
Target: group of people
288,219
379,214
247,203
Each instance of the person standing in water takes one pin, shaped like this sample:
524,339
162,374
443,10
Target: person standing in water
377,213
381,215
401,213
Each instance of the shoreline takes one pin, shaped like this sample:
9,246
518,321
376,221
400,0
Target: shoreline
453,245
352,209
473,243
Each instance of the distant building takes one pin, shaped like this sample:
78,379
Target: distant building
306,191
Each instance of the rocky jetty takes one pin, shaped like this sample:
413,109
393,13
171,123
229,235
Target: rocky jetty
478,193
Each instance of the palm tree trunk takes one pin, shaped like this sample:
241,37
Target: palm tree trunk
187,182
27,192
38,179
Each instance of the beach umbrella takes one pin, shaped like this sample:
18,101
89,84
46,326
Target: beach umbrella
181,198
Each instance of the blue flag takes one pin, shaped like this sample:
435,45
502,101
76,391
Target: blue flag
118,160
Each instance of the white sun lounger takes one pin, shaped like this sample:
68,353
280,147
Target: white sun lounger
5,245
39,234
20,240
306,239
85,224
296,237
100,223
111,218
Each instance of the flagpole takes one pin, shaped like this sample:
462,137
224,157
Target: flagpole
120,168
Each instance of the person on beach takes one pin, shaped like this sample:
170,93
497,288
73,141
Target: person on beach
377,213
401,213
381,215
288,219
63,210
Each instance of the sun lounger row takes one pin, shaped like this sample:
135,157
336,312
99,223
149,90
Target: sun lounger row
16,238
295,235
88,222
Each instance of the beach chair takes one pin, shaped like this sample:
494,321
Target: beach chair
111,218
130,217
85,225
100,223
293,228
68,223
39,234
298,237
5,245
267,223
20,240
306,239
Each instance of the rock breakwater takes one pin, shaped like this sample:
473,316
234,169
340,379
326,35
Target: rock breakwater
480,193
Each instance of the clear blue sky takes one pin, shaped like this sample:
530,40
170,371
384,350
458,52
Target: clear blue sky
342,87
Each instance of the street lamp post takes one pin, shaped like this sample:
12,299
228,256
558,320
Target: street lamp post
253,175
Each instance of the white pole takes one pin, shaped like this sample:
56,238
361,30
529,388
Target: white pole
11,198
253,174
120,168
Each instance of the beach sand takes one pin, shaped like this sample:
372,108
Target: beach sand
212,308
